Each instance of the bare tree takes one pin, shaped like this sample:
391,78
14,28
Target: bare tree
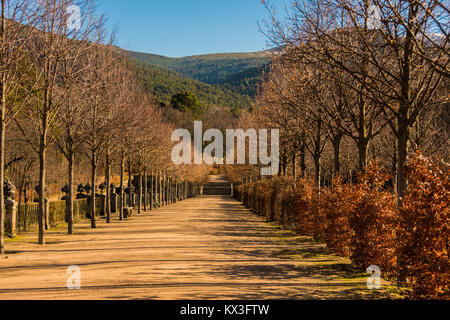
71,122
101,116
128,119
388,61
16,27
55,56
70,119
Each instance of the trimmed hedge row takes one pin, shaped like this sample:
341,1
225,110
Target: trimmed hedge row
363,222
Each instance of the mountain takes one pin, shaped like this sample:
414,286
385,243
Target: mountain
247,81
164,83
227,79
210,68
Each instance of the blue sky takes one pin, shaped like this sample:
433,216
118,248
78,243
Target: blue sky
177,28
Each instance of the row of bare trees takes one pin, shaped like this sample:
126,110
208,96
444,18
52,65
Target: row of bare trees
69,92
357,77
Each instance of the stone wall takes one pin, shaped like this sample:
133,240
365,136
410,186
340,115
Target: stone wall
24,218
27,214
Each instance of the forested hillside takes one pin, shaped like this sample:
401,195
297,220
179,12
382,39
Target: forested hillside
163,84
248,81
211,69
229,80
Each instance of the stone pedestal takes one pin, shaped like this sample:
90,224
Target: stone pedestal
47,213
114,202
102,208
89,211
127,212
150,201
131,200
10,218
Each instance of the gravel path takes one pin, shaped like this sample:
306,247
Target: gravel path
209,247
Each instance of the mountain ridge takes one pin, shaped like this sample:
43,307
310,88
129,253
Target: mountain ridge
210,68
227,79
229,55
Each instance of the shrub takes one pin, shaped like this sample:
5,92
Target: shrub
374,220
305,207
264,190
363,221
336,203
425,226
288,213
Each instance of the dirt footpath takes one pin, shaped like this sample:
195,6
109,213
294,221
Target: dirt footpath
202,248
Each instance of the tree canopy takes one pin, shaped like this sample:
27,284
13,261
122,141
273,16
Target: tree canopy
186,101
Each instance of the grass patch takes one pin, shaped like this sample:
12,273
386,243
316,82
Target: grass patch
313,256
18,238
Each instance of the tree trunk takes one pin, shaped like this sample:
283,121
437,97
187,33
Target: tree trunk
317,173
163,189
168,188
294,165
108,187
303,157
170,194
2,134
47,212
152,190
363,147
394,168
26,190
284,162
402,146
139,191
145,191
160,204
121,192
156,190
41,212
2,159
21,192
171,189
130,185
337,153
363,135
93,182
42,176
317,155
69,200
